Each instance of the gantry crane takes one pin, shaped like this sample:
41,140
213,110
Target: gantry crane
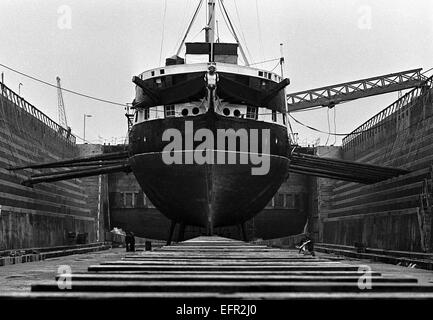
331,95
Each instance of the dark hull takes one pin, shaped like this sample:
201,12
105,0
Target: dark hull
208,195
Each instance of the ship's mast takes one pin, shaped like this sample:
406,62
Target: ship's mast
210,28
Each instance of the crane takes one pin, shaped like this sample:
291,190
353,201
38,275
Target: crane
61,105
335,94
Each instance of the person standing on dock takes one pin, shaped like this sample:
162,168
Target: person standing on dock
130,241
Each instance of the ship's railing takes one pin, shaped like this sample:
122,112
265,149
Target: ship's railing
374,122
31,109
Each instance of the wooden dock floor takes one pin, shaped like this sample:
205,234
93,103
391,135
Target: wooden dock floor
214,268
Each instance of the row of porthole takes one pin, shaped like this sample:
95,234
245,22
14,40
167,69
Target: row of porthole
226,112
195,111
236,112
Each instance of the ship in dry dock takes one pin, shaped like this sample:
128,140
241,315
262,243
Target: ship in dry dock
209,143
221,101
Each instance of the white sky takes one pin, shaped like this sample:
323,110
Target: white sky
325,42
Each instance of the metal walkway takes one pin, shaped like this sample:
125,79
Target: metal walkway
221,268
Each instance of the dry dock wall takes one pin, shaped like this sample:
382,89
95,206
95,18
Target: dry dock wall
393,214
96,192
42,215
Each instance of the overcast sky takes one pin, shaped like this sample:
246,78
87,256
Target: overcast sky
95,47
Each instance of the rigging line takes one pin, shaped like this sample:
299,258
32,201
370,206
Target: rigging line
329,128
275,67
63,89
427,71
183,23
289,125
244,39
317,130
241,28
335,125
264,61
259,29
225,20
163,30
241,48
318,107
232,29
192,39
189,26
309,109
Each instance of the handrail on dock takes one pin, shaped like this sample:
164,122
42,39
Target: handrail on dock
378,119
31,109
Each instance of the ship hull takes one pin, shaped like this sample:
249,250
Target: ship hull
208,195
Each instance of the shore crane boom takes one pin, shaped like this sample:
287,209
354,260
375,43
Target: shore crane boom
331,95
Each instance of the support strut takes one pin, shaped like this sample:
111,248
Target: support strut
170,235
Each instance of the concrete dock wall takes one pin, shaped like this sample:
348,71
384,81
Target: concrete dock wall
393,214
42,215
96,191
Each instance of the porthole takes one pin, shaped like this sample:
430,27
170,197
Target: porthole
226,111
195,110
237,113
184,112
